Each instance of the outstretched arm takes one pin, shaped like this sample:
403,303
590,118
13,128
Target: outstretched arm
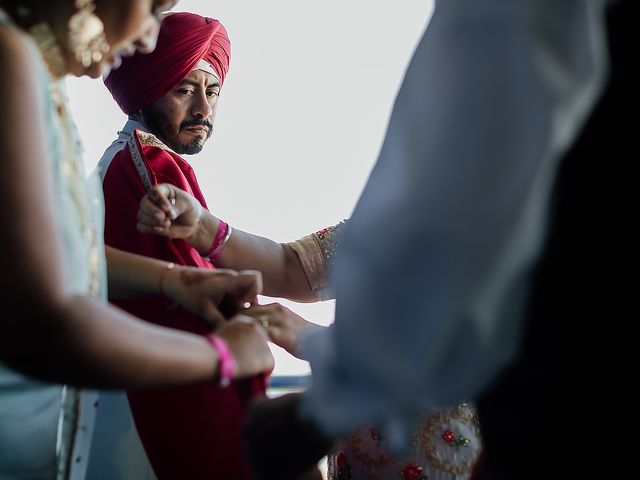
197,289
172,212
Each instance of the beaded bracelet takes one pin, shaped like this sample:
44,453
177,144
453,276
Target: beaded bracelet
227,364
220,240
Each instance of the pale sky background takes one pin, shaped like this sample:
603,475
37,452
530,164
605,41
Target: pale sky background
301,118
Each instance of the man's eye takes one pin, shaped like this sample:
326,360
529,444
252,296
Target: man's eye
213,93
184,91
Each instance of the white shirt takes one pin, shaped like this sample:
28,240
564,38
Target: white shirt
435,265
117,451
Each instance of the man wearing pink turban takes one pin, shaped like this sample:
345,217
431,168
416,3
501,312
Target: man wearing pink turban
185,42
191,432
171,96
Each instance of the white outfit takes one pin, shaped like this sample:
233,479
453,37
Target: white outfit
117,452
32,446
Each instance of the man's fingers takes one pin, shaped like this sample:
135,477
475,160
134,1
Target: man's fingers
150,214
158,229
163,196
153,217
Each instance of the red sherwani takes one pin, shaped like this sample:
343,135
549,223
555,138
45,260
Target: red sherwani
191,432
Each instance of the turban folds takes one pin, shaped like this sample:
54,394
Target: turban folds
184,40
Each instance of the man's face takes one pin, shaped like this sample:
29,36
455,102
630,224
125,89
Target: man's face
183,118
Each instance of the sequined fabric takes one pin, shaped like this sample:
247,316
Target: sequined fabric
317,254
445,446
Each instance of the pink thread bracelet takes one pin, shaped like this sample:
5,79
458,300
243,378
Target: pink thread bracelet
220,240
227,364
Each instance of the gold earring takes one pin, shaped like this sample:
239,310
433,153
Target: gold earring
86,37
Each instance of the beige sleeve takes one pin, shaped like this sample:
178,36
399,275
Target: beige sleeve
316,254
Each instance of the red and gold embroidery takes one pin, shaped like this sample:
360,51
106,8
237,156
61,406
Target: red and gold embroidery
440,428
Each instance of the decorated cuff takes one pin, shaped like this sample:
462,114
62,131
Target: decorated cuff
316,254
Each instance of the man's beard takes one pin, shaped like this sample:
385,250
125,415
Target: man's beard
158,124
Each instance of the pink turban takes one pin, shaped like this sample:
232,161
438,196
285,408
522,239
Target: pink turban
184,40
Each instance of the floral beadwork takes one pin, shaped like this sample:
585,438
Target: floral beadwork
413,471
453,440
376,434
444,446
322,233
327,239
372,459
455,430
343,469
316,255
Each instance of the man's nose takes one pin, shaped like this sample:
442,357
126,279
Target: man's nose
201,107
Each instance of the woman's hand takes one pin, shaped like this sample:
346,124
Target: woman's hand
215,295
170,212
247,341
283,326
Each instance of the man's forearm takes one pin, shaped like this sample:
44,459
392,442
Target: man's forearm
282,273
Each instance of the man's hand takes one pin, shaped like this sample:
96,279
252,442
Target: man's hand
280,442
213,294
170,212
283,326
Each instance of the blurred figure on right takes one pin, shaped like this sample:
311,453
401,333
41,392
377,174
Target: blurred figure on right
446,441
484,259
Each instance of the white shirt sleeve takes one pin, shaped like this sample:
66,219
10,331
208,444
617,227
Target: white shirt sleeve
435,264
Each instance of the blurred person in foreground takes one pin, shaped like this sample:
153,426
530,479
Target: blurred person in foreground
495,223
57,328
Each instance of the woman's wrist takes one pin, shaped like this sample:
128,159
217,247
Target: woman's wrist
163,287
171,280
226,361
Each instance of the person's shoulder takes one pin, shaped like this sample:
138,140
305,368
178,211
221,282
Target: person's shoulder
15,56
112,160
21,81
10,38
22,87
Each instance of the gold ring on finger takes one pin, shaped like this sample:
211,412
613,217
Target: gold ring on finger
263,320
